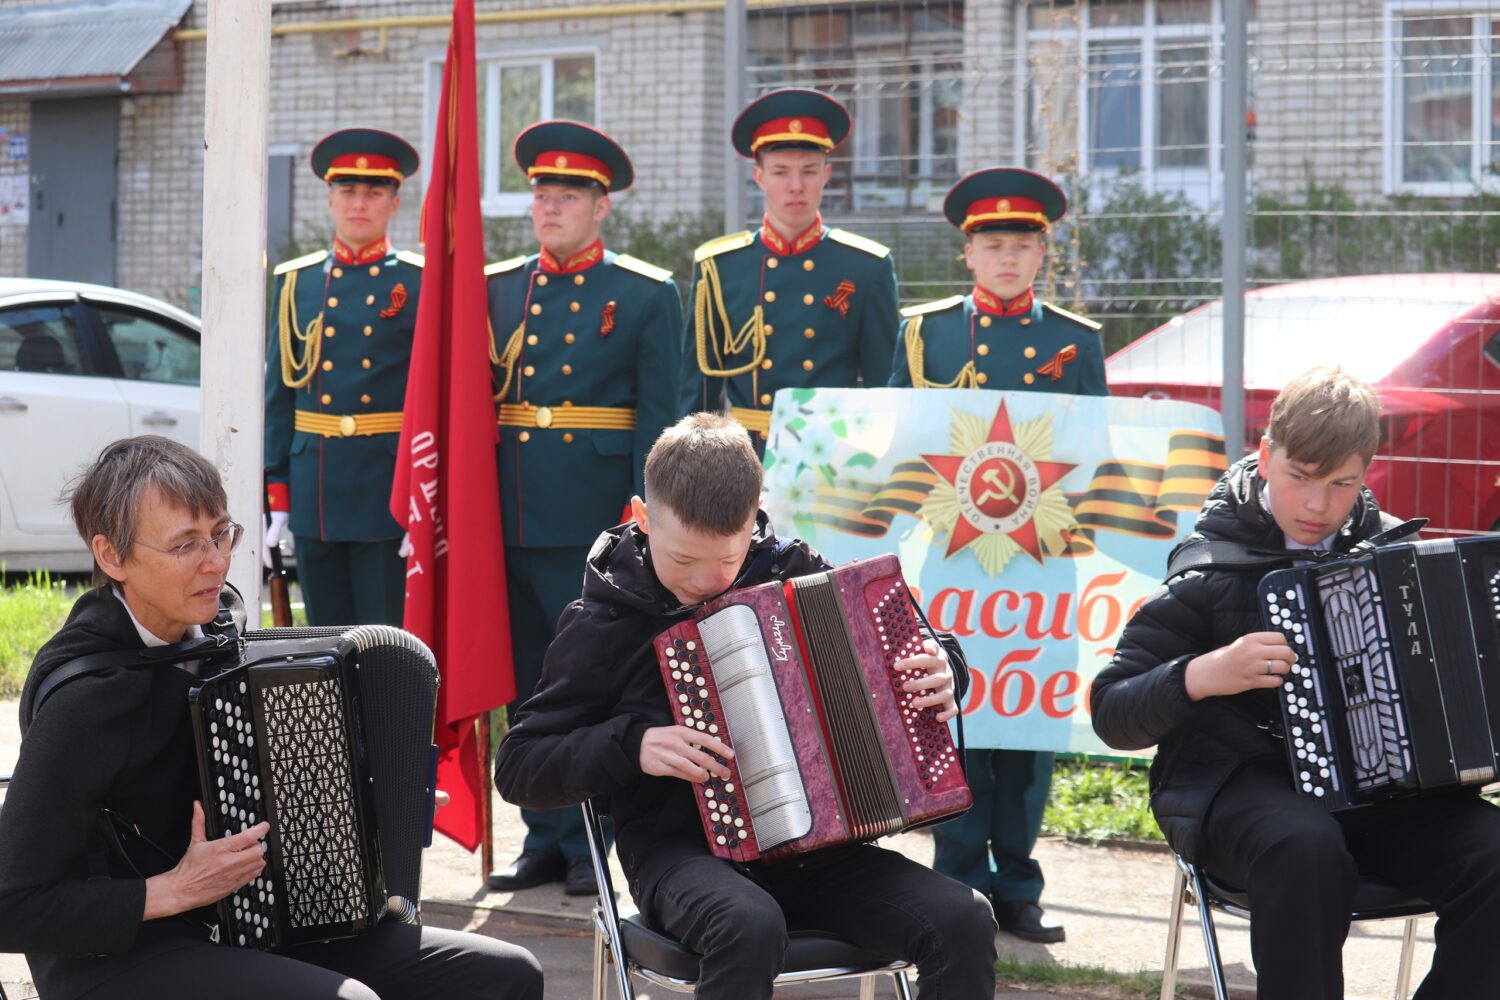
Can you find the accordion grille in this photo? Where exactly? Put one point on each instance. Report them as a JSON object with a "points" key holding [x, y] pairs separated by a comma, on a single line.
{"points": [[763, 751]]}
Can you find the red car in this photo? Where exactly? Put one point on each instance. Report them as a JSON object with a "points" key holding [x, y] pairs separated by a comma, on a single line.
{"points": [[1428, 343]]}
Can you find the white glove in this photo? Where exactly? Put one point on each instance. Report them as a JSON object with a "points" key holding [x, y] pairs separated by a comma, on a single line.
{"points": [[405, 550], [275, 528]]}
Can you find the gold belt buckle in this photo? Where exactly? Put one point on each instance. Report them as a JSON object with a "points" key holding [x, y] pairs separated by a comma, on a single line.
{"points": [[544, 417], [346, 426]]}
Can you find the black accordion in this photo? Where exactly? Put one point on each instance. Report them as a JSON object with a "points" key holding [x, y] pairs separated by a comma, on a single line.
{"points": [[326, 734], [1396, 689]]}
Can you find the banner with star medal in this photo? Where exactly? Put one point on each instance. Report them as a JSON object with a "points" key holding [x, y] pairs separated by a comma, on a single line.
{"points": [[1029, 524]]}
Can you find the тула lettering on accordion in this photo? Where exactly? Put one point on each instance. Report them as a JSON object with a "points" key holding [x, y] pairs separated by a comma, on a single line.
{"points": [[799, 678], [327, 734], [1396, 688]]}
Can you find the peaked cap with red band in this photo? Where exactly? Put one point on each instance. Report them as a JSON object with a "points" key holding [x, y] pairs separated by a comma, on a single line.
{"points": [[1005, 198], [364, 154], [796, 119], [564, 152]]}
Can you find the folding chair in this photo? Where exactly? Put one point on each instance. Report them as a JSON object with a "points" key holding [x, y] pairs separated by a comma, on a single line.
{"points": [[635, 948], [1373, 900]]}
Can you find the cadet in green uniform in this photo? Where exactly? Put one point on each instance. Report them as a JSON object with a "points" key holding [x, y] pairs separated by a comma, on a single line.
{"points": [[1000, 337], [587, 380], [794, 303], [336, 363]]}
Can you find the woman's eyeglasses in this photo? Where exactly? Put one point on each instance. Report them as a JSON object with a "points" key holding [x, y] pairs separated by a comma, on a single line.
{"points": [[195, 550]]}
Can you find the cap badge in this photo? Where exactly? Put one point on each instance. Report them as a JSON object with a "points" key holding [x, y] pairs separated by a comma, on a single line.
{"points": [[795, 125], [1004, 205], [362, 162], [562, 162]]}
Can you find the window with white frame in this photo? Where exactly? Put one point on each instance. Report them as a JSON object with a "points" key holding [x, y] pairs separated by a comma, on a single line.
{"points": [[1443, 108], [516, 91], [1123, 85]]}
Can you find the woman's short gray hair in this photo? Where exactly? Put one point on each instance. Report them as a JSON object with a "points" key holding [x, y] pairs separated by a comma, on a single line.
{"points": [[106, 497]]}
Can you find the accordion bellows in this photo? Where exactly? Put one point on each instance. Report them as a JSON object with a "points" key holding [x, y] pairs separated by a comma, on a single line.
{"points": [[327, 734], [1397, 686], [799, 678]]}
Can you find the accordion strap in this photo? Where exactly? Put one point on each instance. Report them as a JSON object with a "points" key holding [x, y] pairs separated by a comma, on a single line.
{"points": [[97, 663], [958, 663], [1196, 554]]}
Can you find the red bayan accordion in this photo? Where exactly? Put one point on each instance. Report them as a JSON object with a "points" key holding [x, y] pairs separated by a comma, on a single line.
{"points": [[799, 678]]}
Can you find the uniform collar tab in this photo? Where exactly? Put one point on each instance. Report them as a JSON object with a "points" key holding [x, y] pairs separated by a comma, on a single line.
{"points": [[804, 240], [585, 258], [345, 254], [995, 306]]}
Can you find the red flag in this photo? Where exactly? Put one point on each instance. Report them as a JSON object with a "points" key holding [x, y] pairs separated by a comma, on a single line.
{"points": [[446, 491]]}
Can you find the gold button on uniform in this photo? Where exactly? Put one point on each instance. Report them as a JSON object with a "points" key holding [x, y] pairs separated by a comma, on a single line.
{"points": [[574, 306], [577, 280], [365, 398], [765, 399], [1030, 352], [567, 369], [981, 378], [984, 321], [536, 309], [1025, 320], [328, 366], [531, 339], [983, 349], [568, 338], [541, 279], [807, 299], [333, 302], [808, 265], [524, 435], [338, 272], [528, 371], [809, 333], [326, 399], [1028, 378], [769, 329], [568, 438], [770, 296], [369, 300], [328, 331], [766, 365], [374, 270], [773, 262], [369, 330], [807, 365], [365, 363]]}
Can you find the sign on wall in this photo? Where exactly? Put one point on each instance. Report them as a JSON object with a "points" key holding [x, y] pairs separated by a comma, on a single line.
{"points": [[1029, 524]]}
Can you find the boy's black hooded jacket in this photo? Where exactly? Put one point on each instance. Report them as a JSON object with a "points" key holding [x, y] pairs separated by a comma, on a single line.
{"points": [[1140, 699], [579, 735]]}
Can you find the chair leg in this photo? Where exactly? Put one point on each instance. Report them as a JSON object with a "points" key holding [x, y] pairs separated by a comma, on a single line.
{"points": [[1174, 936], [1408, 945], [596, 990], [866, 988], [1210, 938], [903, 986]]}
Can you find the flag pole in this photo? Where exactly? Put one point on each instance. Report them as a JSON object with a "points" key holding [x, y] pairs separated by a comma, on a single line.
{"points": [[486, 802]]}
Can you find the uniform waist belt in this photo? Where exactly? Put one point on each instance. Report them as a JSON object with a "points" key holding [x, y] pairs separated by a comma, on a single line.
{"points": [[592, 418], [357, 425], [753, 420]]}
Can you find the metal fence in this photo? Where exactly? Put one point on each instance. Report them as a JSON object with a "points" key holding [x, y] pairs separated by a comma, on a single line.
{"points": [[1372, 145]]}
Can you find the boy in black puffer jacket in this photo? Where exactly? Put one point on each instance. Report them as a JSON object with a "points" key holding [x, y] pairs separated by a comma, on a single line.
{"points": [[1196, 673], [600, 726]]}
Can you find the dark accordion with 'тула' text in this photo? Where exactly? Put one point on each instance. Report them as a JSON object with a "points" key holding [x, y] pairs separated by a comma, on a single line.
{"points": [[799, 679], [327, 734], [1396, 688]]}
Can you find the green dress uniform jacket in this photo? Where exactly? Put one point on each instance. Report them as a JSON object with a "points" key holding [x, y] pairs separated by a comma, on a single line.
{"points": [[823, 314], [588, 380], [346, 329], [951, 342]]}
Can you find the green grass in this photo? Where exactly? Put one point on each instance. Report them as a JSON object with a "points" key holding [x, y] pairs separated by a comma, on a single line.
{"points": [[1090, 981], [1094, 800], [30, 612]]}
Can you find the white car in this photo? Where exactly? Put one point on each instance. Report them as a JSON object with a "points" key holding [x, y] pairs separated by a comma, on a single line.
{"points": [[80, 366]]}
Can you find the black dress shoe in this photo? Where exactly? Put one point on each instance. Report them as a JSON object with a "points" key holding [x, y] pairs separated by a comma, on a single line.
{"points": [[580, 880], [531, 869], [1027, 922]]}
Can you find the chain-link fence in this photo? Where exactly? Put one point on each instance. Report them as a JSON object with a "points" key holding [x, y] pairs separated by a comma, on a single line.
{"points": [[1372, 151]]}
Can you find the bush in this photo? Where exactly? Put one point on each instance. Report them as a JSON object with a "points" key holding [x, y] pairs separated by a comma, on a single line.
{"points": [[1100, 799], [30, 613]]}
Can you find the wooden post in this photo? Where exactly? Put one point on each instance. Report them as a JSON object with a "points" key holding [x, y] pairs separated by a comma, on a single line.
{"points": [[486, 842], [234, 247]]}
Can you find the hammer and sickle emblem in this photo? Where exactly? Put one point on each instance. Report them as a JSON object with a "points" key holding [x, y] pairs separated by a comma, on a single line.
{"points": [[1002, 486]]}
